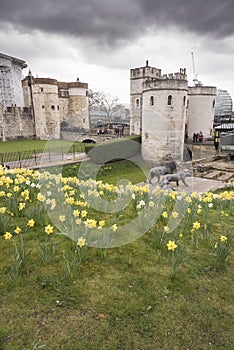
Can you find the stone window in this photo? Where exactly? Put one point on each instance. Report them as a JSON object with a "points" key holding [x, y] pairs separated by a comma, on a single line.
{"points": [[213, 103], [151, 100], [57, 107], [53, 107], [184, 100], [169, 100], [83, 120], [42, 106], [41, 89], [137, 103], [63, 93], [9, 109]]}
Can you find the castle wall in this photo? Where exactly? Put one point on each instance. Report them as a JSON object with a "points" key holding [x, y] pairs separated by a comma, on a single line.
{"points": [[15, 124], [55, 103], [201, 107], [163, 125]]}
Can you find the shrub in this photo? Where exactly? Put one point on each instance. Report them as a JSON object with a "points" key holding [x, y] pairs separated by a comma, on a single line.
{"points": [[122, 148]]}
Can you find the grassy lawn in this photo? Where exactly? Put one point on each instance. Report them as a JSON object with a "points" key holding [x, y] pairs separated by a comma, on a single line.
{"points": [[133, 170], [57, 294], [31, 145]]}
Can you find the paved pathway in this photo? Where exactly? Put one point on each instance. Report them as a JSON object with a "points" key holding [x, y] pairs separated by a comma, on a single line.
{"points": [[195, 184], [45, 160]]}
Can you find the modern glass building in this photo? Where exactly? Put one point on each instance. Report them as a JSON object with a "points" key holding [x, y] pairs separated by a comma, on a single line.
{"points": [[223, 107]]}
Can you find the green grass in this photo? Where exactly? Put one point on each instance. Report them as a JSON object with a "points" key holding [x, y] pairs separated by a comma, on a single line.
{"points": [[31, 145], [114, 304], [134, 170], [125, 300]]}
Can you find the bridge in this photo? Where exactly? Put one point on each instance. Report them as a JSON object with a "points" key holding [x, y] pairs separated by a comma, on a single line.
{"points": [[86, 137]]}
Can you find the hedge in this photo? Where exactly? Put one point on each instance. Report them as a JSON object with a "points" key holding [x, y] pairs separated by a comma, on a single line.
{"points": [[109, 151]]}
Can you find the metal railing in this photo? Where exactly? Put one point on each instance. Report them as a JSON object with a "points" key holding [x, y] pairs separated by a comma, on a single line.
{"points": [[33, 158]]}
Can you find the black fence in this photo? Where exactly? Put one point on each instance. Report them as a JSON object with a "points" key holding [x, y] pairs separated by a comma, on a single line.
{"points": [[34, 158]]}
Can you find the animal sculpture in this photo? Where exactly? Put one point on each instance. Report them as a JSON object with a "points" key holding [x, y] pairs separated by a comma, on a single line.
{"points": [[177, 177], [162, 168]]}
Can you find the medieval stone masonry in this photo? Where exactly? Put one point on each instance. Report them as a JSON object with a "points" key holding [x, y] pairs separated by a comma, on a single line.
{"points": [[38, 107], [164, 107]]}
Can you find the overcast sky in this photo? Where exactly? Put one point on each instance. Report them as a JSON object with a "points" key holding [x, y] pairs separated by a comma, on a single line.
{"points": [[99, 41]]}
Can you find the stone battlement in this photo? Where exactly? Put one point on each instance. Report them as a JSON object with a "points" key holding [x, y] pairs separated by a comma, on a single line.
{"points": [[152, 72], [171, 81]]}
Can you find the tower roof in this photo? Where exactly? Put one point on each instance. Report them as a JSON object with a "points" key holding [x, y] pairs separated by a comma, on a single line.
{"points": [[14, 60]]}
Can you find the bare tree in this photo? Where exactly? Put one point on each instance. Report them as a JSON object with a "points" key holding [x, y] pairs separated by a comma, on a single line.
{"points": [[104, 103]]}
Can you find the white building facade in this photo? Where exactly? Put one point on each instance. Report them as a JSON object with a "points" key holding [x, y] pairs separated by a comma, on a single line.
{"points": [[11, 93]]}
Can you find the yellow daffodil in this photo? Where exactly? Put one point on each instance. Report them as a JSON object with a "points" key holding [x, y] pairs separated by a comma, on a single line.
{"points": [[78, 221], [62, 218], [31, 223], [21, 206], [49, 229], [171, 245], [90, 223], [84, 213], [8, 235], [174, 214], [196, 225], [76, 212], [81, 242], [114, 227], [17, 230]]}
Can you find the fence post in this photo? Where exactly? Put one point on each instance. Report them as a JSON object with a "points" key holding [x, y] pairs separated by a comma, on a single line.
{"points": [[19, 159], [35, 157], [74, 151], [62, 153]]}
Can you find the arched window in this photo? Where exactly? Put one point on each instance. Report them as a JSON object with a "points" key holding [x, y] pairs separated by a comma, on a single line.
{"points": [[151, 100], [169, 99], [137, 103]]}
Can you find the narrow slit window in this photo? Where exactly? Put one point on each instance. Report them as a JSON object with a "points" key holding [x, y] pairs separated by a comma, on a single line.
{"points": [[169, 100]]}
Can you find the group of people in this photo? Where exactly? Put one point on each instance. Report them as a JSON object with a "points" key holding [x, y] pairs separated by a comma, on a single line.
{"points": [[103, 131], [118, 131], [198, 137]]}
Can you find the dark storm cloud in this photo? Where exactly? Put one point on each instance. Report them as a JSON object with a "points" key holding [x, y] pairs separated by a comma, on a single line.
{"points": [[112, 20]]}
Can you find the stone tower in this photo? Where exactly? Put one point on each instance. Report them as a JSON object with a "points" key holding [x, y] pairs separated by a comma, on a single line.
{"points": [[137, 77], [55, 102], [201, 108], [158, 112]]}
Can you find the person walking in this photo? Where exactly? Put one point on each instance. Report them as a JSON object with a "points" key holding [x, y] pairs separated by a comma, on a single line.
{"points": [[216, 141], [200, 137]]}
